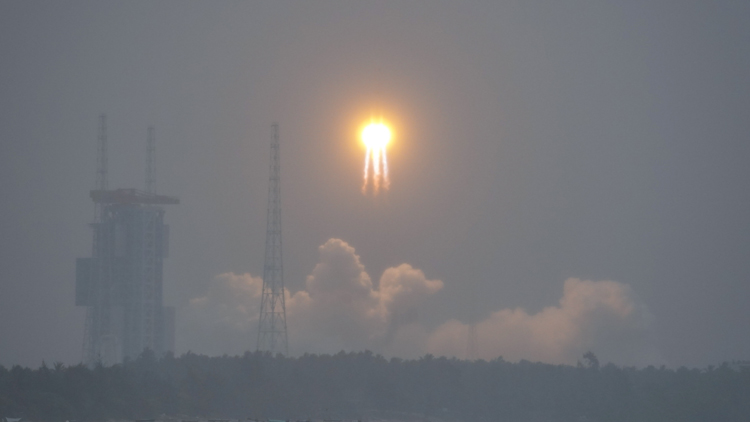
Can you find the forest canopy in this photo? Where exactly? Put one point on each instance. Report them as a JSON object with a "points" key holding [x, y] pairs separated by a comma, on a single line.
{"points": [[361, 385]]}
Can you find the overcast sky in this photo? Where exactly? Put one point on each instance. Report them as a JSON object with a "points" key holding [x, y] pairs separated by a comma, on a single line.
{"points": [[568, 176]]}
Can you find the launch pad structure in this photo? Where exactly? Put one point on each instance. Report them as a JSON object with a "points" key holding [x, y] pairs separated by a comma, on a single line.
{"points": [[121, 284], [272, 333]]}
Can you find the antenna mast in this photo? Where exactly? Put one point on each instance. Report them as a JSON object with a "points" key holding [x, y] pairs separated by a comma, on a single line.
{"points": [[101, 154], [272, 334], [151, 161]]}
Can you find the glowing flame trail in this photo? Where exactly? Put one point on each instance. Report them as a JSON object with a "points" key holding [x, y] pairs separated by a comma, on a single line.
{"points": [[367, 168], [376, 137], [376, 169], [386, 179]]}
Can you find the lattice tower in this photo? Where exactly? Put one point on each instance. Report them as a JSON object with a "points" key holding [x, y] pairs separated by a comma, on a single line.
{"points": [[98, 343], [272, 333]]}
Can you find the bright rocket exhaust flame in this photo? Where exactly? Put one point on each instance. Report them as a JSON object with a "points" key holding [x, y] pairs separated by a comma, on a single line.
{"points": [[376, 136]]}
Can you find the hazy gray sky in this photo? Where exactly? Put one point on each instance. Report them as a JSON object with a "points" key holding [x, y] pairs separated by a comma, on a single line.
{"points": [[604, 143]]}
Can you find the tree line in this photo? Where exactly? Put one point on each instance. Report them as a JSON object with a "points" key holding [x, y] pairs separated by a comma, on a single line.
{"points": [[358, 385]]}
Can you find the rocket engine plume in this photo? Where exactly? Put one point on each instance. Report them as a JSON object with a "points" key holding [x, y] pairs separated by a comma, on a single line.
{"points": [[376, 136]]}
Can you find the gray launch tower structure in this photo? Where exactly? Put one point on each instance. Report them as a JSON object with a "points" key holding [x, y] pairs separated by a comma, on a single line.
{"points": [[272, 335], [121, 283]]}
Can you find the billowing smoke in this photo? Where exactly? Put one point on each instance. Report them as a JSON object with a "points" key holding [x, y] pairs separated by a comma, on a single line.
{"points": [[341, 308], [225, 319], [601, 316]]}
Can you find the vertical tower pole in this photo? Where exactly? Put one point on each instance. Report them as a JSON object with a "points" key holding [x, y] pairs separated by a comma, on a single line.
{"points": [[97, 313], [101, 154], [272, 333], [151, 161]]}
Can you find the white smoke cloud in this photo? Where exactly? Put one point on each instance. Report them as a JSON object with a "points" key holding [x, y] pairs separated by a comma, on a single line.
{"points": [[602, 316], [341, 308], [224, 320]]}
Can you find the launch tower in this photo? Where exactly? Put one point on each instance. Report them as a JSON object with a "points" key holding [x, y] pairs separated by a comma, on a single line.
{"points": [[272, 335], [121, 283]]}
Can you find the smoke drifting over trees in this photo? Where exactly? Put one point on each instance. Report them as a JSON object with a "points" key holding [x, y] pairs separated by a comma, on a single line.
{"points": [[341, 308], [602, 315]]}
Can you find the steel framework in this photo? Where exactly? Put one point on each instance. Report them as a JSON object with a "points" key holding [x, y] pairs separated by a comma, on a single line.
{"points": [[97, 340], [121, 283], [272, 333]]}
